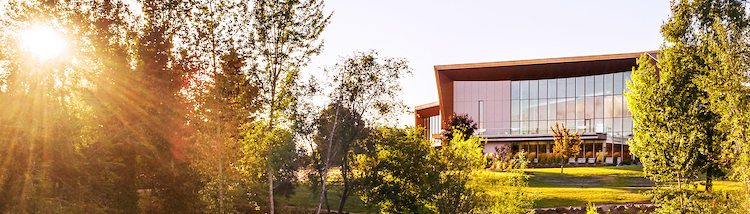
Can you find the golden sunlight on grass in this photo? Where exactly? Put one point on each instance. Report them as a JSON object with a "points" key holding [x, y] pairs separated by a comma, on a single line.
{"points": [[42, 42]]}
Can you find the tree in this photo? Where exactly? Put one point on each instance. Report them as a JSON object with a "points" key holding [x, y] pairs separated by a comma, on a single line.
{"points": [[566, 144], [285, 38], [676, 132], [459, 123], [365, 92]]}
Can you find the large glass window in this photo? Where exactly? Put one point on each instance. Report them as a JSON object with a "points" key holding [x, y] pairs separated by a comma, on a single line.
{"points": [[551, 109], [543, 109], [590, 108], [560, 88], [599, 107], [515, 110], [617, 106], [533, 109], [589, 86], [625, 109], [561, 109], [542, 89], [533, 89], [570, 104], [524, 90], [608, 84], [580, 89], [524, 110], [580, 108], [599, 85], [618, 83], [571, 89], [608, 110], [515, 92], [551, 88]]}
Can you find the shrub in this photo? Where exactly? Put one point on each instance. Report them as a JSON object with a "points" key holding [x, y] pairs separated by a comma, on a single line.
{"points": [[626, 162], [589, 154]]}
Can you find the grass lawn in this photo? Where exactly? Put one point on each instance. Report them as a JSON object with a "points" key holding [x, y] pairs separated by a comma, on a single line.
{"points": [[576, 187]]}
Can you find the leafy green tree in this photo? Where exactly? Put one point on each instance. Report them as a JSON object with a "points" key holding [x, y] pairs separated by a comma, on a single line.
{"points": [[365, 93], [285, 38], [567, 144], [676, 127]]}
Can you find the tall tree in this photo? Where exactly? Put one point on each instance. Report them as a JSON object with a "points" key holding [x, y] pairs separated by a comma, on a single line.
{"points": [[567, 144], [365, 93], [285, 38], [459, 123], [675, 125]]}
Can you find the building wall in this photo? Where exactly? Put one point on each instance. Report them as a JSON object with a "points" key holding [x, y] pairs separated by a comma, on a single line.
{"points": [[496, 100]]}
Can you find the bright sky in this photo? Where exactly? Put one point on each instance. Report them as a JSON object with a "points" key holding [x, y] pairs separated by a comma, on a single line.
{"points": [[439, 32]]}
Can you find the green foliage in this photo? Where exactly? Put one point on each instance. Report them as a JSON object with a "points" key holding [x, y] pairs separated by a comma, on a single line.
{"points": [[681, 102], [401, 173]]}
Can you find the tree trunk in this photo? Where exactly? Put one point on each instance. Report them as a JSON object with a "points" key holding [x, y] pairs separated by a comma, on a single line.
{"points": [[328, 160], [345, 192]]}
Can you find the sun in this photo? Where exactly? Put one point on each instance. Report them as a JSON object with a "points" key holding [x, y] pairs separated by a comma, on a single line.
{"points": [[43, 42]]}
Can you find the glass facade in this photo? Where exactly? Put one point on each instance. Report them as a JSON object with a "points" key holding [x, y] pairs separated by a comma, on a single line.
{"points": [[432, 127], [586, 103]]}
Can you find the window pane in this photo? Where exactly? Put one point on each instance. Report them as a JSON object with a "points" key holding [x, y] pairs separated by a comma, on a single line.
{"points": [[598, 85], [608, 110], [551, 88], [590, 108], [543, 109], [589, 86], [551, 109], [560, 109], [524, 127], [608, 125], [570, 124], [533, 112], [617, 106], [618, 83], [533, 89], [560, 88], [571, 89], [599, 125], [599, 107], [580, 108], [542, 89], [514, 90], [580, 89], [515, 127], [543, 128], [524, 110], [533, 129], [570, 109], [608, 87], [580, 126], [524, 90], [625, 79], [617, 124], [515, 112]]}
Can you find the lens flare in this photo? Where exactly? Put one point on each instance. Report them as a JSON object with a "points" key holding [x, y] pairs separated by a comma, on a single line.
{"points": [[42, 42]]}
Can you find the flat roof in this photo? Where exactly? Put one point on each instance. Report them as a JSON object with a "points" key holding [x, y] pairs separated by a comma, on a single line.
{"points": [[428, 105]]}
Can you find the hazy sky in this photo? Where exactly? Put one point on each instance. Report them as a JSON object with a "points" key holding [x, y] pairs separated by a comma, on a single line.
{"points": [[429, 33]]}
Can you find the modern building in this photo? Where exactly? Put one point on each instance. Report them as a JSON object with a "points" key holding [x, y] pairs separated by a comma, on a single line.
{"points": [[514, 103]]}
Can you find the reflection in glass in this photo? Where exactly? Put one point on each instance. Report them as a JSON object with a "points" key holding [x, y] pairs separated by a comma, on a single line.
{"points": [[608, 125], [560, 109], [552, 109], [515, 90], [625, 109], [589, 86], [580, 89], [580, 106], [524, 90], [617, 106], [617, 124], [542, 89], [599, 107], [571, 89], [589, 108], [533, 89], [608, 106], [515, 112], [543, 109], [524, 110], [617, 83], [551, 88], [599, 85], [625, 79], [570, 104], [608, 87], [533, 112], [561, 88]]}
